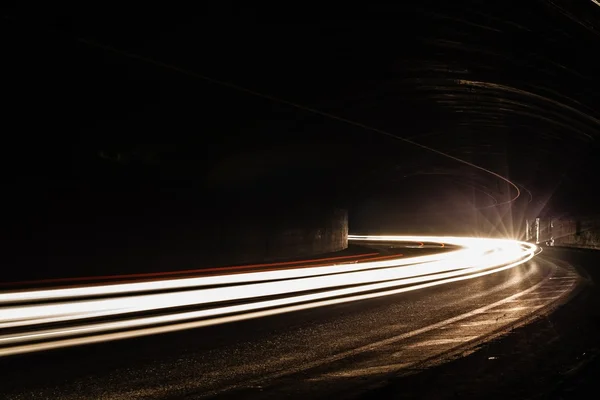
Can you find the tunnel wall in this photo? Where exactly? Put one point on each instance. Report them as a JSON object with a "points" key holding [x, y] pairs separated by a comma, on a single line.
{"points": [[170, 232], [580, 232], [303, 233]]}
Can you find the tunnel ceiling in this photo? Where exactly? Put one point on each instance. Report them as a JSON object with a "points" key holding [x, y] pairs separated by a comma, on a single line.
{"points": [[225, 96]]}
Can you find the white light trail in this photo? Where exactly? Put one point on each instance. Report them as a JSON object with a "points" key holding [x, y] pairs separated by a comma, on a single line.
{"points": [[226, 298]]}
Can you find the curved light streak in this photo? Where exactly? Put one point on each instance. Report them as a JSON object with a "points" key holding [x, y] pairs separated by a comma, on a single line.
{"points": [[226, 298]]}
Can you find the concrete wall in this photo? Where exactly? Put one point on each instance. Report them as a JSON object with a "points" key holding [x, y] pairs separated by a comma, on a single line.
{"points": [[303, 232], [128, 239], [582, 232]]}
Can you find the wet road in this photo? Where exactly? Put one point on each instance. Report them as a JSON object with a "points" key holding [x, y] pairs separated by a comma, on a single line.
{"points": [[342, 349]]}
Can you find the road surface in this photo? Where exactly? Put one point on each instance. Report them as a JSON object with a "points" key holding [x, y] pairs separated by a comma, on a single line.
{"points": [[366, 322]]}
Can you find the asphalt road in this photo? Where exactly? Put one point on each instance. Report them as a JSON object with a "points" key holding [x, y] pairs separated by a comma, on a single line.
{"points": [[345, 349]]}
